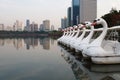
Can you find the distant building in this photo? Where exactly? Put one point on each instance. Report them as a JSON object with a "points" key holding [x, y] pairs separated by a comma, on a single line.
{"points": [[27, 23], [64, 23], [41, 28], [46, 24], [69, 16], [52, 27], [9, 28], [18, 26], [75, 13], [88, 10], [1, 27], [34, 27], [27, 27]]}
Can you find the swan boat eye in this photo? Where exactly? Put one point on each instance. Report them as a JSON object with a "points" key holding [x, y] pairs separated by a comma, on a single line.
{"points": [[98, 19]]}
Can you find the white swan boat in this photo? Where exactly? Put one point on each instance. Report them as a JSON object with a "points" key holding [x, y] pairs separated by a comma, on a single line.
{"points": [[75, 36], [102, 55], [85, 42], [79, 35], [69, 30], [72, 36], [79, 39], [64, 34]]}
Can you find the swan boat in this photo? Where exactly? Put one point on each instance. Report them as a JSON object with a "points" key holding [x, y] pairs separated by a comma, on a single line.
{"points": [[62, 37], [79, 39], [110, 53], [85, 42], [69, 33], [78, 34], [72, 36]]}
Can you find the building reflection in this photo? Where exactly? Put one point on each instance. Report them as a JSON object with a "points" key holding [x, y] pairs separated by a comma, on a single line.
{"points": [[28, 42], [45, 42], [8, 41], [2, 42], [52, 41], [31, 42], [18, 43]]}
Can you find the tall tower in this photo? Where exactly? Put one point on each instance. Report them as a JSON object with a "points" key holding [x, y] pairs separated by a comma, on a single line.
{"points": [[1, 27], [27, 23], [46, 24], [64, 23], [27, 27], [75, 13], [88, 10], [69, 16]]}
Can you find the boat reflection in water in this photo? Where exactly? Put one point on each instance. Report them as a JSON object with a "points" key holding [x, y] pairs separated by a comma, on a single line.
{"points": [[89, 71]]}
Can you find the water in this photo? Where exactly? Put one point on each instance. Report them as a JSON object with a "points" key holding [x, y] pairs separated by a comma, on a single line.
{"points": [[32, 59], [44, 59]]}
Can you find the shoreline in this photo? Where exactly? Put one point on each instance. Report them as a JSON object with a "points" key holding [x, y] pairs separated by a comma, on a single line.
{"points": [[12, 34]]}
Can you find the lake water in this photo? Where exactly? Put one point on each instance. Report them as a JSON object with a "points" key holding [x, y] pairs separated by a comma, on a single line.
{"points": [[44, 59]]}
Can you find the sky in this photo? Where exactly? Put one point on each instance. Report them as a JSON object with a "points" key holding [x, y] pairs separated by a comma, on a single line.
{"points": [[39, 10]]}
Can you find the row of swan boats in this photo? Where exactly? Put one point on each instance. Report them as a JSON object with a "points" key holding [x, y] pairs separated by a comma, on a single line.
{"points": [[99, 50]]}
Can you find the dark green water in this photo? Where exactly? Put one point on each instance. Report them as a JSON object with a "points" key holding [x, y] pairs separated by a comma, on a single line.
{"points": [[44, 59]]}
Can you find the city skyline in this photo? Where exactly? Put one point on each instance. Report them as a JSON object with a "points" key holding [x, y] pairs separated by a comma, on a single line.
{"points": [[39, 10]]}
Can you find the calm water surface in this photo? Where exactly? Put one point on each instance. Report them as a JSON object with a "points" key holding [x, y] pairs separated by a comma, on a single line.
{"points": [[44, 59]]}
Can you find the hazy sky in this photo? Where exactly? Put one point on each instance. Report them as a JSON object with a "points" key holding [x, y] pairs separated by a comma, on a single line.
{"points": [[39, 10]]}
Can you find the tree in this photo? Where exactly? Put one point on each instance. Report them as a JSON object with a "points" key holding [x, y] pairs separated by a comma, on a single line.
{"points": [[112, 18]]}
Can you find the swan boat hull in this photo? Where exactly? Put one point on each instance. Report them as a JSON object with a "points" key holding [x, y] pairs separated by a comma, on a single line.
{"points": [[106, 60]]}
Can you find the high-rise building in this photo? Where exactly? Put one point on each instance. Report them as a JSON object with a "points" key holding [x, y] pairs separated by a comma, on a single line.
{"points": [[88, 10], [52, 27], [9, 28], [27, 23], [1, 27], [64, 23], [41, 27], [69, 16], [27, 27], [75, 12], [18, 26], [46, 24], [34, 27]]}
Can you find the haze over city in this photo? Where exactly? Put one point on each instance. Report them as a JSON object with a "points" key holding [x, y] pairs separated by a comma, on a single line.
{"points": [[39, 10]]}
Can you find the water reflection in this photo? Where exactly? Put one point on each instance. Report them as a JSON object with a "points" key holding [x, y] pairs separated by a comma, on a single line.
{"points": [[31, 42], [2, 42], [32, 59], [28, 43], [89, 71], [45, 42], [18, 43]]}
